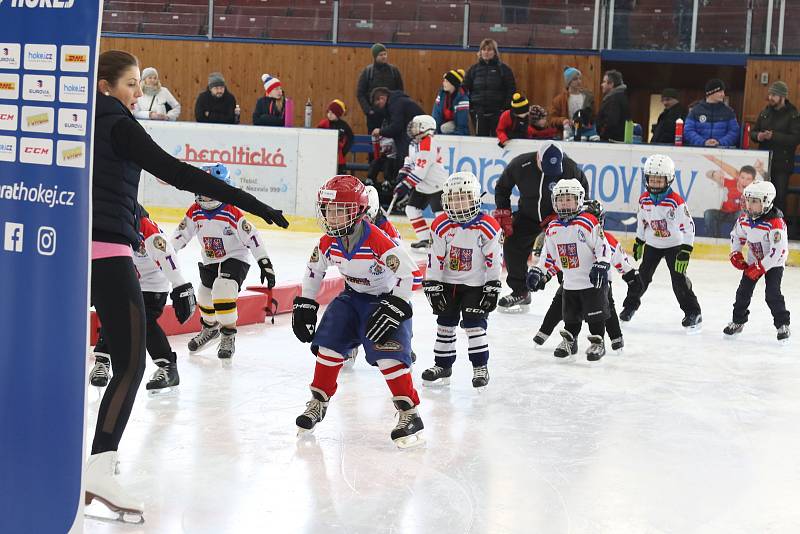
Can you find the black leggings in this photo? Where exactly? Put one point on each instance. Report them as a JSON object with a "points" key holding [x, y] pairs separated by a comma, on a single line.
{"points": [[157, 343], [117, 297], [553, 315]]}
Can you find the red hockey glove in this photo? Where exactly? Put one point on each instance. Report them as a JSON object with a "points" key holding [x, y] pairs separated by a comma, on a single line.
{"points": [[505, 221], [755, 271], [737, 260]]}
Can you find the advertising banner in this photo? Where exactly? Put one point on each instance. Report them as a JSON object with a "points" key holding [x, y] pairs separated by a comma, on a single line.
{"points": [[47, 77]]}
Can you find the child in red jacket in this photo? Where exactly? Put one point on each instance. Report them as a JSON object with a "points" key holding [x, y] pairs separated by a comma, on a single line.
{"points": [[336, 109]]}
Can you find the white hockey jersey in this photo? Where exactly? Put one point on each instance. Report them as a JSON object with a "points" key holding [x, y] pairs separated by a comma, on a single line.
{"points": [[424, 167], [375, 266], [155, 260], [619, 258], [468, 254], [573, 247], [223, 233], [665, 225], [766, 240]]}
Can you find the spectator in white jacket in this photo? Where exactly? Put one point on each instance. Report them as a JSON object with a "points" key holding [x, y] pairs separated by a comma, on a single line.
{"points": [[157, 103]]}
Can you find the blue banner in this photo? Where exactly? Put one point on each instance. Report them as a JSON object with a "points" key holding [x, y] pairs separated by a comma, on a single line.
{"points": [[48, 52]]}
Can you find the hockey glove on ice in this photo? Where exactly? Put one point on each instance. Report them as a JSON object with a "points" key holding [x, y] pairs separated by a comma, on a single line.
{"points": [[755, 271], [267, 272], [504, 219], [436, 293], [682, 259], [598, 275], [304, 318], [183, 302], [491, 292], [738, 261], [638, 249], [535, 280], [384, 322]]}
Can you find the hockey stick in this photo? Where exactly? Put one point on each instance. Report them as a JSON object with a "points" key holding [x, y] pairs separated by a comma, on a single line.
{"points": [[391, 205]]}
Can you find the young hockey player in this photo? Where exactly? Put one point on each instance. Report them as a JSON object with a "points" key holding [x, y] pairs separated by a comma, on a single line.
{"points": [[762, 228], [156, 264], [575, 242], [373, 310], [665, 230], [422, 175], [377, 216], [463, 278], [620, 261], [225, 237]]}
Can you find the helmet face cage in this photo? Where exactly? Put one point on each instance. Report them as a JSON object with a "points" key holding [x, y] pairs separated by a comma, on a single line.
{"points": [[655, 190], [338, 219], [567, 201], [595, 207], [761, 193], [420, 126], [220, 172], [461, 197]]}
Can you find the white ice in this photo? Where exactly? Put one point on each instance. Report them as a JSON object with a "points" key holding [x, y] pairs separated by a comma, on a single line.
{"points": [[678, 434]]}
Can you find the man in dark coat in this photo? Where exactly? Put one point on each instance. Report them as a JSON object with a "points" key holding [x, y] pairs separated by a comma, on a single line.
{"points": [[398, 109], [216, 104], [377, 74], [533, 174], [614, 108], [777, 129], [664, 128]]}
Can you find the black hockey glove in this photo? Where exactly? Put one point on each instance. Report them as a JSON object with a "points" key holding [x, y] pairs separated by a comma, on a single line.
{"points": [[682, 259], [391, 311], [271, 215], [634, 280], [536, 279], [183, 302], [267, 272], [598, 275], [436, 293], [638, 249], [304, 318], [491, 292]]}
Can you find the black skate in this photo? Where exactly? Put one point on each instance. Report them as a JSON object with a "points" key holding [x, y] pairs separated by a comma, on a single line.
{"points": [[437, 376], [413, 357], [227, 344], [406, 433], [207, 334], [540, 338], [99, 375], [315, 412], [733, 329], [514, 303], [422, 245], [165, 378], [617, 343], [783, 334], [568, 347], [480, 377], [692, 322], [597, 349], [626, 314]]}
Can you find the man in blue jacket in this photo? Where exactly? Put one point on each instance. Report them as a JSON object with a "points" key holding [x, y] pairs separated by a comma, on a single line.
{"points": [[712, 123]]}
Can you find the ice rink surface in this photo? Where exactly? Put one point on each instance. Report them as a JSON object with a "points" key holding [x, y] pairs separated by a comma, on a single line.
{"points": [[676, 434]]}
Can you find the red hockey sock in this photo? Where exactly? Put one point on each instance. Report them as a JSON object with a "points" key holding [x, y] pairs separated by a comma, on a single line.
{"points": [[398, 378], [326, 371], [421, 228]]}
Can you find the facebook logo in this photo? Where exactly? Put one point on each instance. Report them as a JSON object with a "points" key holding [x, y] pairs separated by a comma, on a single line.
{"points": [[13, 237]]}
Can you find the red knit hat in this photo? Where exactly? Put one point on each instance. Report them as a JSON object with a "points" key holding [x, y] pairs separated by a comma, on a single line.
{"points": [[337, 107]]}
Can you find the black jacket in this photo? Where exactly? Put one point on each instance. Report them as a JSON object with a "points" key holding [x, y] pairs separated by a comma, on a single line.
{"points": [[785, 126], [400, 109], [491, 85], [664, 128], [267, 112], [534, 188], [614, 111], [220, 110], [122, 148], [377, 75]]}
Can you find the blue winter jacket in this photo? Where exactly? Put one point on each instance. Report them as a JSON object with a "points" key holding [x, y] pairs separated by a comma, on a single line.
{"points": [[711, 121], [459, 105]]}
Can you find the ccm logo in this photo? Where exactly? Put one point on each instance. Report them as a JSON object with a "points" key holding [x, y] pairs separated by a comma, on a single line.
{"points": [[36, 150], [7, 116]]}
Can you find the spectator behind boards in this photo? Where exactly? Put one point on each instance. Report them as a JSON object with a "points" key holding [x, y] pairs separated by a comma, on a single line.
{"points": [[273, 109], [451, 108], [157, 103], [712, 122], [216, 104]]}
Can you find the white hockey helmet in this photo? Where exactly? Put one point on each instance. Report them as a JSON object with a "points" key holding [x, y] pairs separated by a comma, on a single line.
{"points": [[421, 126], [567, 197], [461, 196], [658, 165], [374, 202], [761, 191]]}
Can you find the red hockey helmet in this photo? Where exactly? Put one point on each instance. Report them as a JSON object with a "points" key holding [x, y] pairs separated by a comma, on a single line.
{"points": [[341, 204]]}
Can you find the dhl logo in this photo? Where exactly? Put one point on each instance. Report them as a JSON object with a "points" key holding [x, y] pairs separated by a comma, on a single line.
{"points": [[38, 120], [8, 86], [75, 58], [72, 153]]}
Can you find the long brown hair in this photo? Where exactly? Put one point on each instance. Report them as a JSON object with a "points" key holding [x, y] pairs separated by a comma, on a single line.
{"points": [[113, 63]]}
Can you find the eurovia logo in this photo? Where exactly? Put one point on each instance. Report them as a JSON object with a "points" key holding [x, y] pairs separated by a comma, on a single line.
{"points": [[9, 55], [40, 56], [41, 88], [9, 86], [72, 121], [74, 89]]}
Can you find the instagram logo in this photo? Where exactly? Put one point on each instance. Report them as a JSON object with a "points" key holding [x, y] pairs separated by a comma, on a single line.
{"points": [[46, 242]]}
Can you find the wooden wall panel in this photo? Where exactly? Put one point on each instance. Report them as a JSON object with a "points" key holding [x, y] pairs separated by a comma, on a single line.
{"points": [[324, 72]]}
